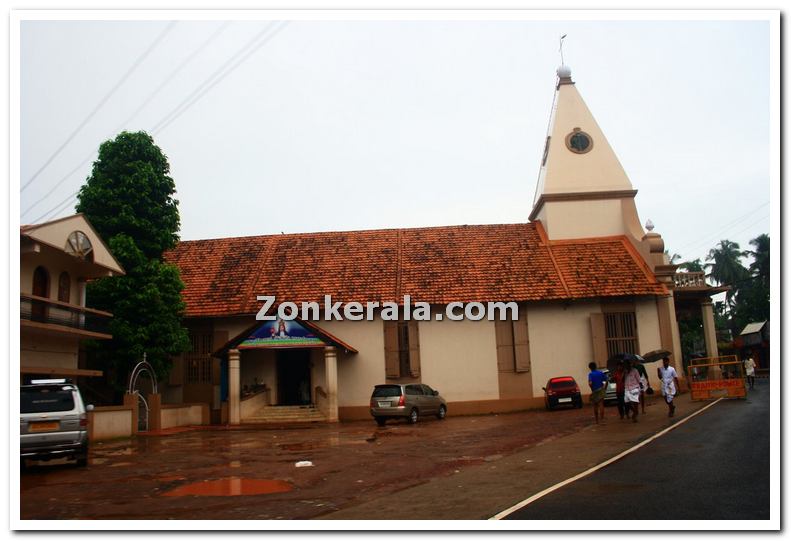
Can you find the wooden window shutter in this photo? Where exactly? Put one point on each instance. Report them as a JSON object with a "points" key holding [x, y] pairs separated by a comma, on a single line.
{"points": [[504, 334], [599, 338], [391, 349], [522, 342], [219, 340], [414, 350]]}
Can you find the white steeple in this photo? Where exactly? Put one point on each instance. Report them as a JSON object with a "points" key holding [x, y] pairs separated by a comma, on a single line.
{"points": [[582, 189]]}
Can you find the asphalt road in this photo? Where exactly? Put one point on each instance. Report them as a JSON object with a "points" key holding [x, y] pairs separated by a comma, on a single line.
{"points": [[715, 466]]}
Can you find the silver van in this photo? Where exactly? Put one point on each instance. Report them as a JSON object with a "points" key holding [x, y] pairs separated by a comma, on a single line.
{"points": [[54, 421], [410, 401]]}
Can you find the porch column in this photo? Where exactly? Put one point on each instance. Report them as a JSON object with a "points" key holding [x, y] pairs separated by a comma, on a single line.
{"points": [[331, 376], [709, 331], [234, 403], [669, 334]]}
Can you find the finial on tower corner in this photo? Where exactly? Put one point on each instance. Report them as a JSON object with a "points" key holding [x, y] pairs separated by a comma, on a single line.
{"points": [[649, 225]]}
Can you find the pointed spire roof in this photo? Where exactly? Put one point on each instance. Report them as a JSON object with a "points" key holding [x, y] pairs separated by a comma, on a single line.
{"points": [[578, 159]]}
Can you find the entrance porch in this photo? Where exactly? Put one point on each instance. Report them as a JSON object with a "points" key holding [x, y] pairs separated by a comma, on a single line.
{"points": [[280, 372]]}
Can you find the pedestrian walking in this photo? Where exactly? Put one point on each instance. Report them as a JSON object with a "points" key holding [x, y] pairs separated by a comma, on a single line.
{"points": [[598, 384], [631, 389], [749, 371], [669, 378], [643, 384], [618, 378]]}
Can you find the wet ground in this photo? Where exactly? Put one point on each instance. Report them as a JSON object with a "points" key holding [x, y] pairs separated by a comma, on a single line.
{"points": [[251, 472]]}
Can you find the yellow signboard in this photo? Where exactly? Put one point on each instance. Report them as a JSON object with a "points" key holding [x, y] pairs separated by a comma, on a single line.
{"points": [[716, 377]]}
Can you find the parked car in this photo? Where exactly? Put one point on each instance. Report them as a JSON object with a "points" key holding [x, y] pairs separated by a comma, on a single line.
{"points": [[54, 421], [562, 391], [410, 401], [610, 396]]}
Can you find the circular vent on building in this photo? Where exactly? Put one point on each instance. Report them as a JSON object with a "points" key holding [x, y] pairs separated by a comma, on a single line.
{"points": [[579, 142], [79, 245]]}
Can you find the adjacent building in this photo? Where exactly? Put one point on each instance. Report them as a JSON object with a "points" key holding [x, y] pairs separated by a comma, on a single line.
{"points": [[57, 259]]}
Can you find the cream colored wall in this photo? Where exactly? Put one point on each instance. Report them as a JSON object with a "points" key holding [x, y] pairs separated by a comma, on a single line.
{"points": [[459, 359], [358, 373], [55, 264], [181, 416], [560, 343], [115, 423], [39, 349], [583, 219], [596, 170], [57, 233], [648, 335]]}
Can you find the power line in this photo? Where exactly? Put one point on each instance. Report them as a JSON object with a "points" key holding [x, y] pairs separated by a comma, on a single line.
{"points": [[248, 49], [126, 122], [123, 79], [257, 41], [59, 207], [702, 240]]}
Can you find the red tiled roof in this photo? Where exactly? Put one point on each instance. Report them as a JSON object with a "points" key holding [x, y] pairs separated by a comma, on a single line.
{"points": [[510, 262]]}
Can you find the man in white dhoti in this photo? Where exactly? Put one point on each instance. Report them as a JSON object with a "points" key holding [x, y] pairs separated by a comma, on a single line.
{"points": [[632, 388], [749, 371], [669, 378]]}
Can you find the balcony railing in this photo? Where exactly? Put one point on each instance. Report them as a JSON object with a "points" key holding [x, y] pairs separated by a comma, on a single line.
{"points": [[42, 310], [690, 279]]}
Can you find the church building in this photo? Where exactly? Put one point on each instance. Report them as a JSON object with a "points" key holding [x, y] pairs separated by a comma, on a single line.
{"points": [[589, 281]]}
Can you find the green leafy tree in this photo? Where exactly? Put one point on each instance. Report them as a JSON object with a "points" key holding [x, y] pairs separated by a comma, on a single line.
{"points": [[129, 200], [130, 192], [752, 303]]}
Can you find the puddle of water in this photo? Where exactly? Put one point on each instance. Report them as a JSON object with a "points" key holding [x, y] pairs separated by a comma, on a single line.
{"points": [[125, 451], [233, 486], [96, 461], [120, 464]]}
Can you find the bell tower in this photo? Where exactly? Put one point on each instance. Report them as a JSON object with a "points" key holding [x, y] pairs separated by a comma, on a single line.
{"points": [[582, 189]]}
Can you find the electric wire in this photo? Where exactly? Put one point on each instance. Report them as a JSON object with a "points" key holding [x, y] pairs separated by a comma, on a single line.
{"points": [[131, 117], [723, 228], [101, 103], [253, 45], [248, 49]]}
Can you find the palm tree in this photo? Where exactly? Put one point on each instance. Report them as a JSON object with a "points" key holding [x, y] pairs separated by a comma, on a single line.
{"points": [[726, 267], [692, 266], [760, 265]]}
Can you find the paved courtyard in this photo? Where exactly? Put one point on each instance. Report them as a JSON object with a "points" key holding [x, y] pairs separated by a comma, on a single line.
{"points": [[251, 472]]}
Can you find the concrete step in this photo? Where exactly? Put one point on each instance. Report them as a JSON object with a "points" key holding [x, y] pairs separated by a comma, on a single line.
{"points": [[286, 414]]}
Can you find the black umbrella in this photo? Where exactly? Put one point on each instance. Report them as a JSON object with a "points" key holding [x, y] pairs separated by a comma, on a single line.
{"points": [[613, 361], [656, 355]]}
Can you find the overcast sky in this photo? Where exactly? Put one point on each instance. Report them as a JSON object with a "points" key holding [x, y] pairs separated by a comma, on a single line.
{"points": [[334, 125]]}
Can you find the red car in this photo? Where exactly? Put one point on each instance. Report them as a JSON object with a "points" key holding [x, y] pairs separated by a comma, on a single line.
{"points": [[562, 391]]}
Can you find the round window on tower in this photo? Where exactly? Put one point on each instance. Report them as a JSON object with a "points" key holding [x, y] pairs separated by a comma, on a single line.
{"points": [[579, 142]]}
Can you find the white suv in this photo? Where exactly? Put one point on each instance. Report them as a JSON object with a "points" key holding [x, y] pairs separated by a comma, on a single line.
{"points": [[54, 421]]}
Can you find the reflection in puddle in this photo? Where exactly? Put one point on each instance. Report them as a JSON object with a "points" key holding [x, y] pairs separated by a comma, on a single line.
{"points": [[233, 486]]}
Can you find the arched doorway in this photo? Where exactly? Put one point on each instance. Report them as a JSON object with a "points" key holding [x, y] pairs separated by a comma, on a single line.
{"points": [[40, 289]]}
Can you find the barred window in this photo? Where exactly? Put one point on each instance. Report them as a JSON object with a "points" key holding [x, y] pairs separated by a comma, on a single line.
{"points": [[621, 329], [198, 361]]}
